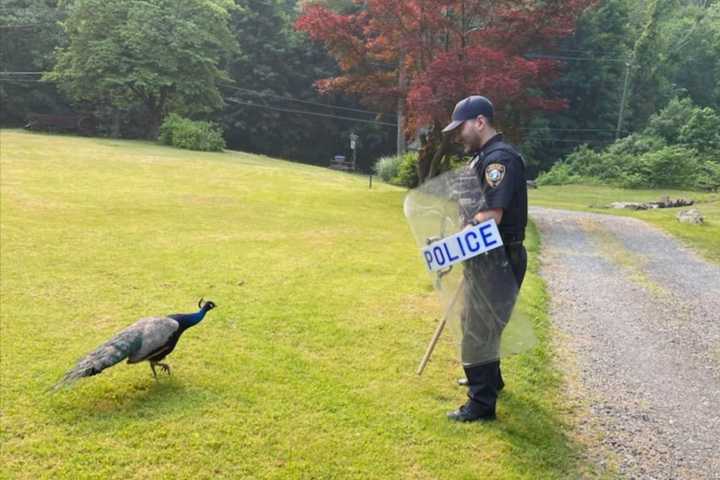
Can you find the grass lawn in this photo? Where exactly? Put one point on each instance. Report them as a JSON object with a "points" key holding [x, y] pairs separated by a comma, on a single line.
{"points": [[704, 238], [305, 369]]}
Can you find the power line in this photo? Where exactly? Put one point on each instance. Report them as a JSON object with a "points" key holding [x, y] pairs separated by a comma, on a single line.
{"points": [[263, 94], [573, 58], [22, 73], [576, 140], [569, 129], [305, 112], [25, 27]]}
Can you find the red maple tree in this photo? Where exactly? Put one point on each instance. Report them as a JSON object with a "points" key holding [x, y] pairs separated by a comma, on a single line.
{"points": [[420, 57]]}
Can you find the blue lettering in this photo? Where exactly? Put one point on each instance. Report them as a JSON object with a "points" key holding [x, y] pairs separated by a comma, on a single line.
{"points": [[486, 235], [472, 234], [439, 259], [428, 258], [462, 249], [449, 255]]}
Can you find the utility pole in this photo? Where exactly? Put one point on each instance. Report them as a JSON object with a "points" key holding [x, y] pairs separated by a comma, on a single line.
{"points": [[353, 146], [402, 80], [622, 101]]}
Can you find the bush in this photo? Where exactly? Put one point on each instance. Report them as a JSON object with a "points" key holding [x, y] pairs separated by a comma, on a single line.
{"points": [[191, 135], [667, 122], [702, 132], [673, 166], [636, 144], [407, 171], [387, 168], [709, 176], [559, 174], [680, 148], [400, 170]]}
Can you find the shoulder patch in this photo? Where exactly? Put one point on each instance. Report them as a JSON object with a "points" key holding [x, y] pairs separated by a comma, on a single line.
{"points": [[494, 174]]}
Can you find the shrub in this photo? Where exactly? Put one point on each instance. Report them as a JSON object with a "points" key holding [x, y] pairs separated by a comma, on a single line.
{"points": [[407, 171], [672, 166], [191, 135], [667, 122], [559, 174], [709, 176], [679, 148], [702, 132], [387, 167]]}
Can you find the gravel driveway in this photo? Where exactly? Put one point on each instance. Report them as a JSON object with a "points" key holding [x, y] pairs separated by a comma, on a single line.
{"points": [[640, 315]]}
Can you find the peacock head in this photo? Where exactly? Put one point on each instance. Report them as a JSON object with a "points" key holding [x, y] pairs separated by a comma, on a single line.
{"points": [[207, 306]]}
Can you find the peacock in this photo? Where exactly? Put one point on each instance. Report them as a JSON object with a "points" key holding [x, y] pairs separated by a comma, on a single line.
{"points": [[151, 339]]}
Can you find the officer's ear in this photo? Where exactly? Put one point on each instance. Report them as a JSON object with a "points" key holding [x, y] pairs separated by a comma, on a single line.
{"points": [[481, 121]]}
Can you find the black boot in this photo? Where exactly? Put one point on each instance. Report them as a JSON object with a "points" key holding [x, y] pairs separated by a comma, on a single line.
{"points": [[463, 382], [472, 411], [483, 382]]}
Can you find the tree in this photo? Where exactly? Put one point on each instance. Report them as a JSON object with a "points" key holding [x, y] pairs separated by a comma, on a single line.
{"points": [[422, 56], [273, 81], [592, 79], [164, 54], [691, 36], [30, 32]]}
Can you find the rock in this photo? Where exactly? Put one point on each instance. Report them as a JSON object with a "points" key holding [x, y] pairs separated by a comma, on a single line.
{"points": [[664, 202], [629, 205], [692, 216], [532, 184], [667, 202]]}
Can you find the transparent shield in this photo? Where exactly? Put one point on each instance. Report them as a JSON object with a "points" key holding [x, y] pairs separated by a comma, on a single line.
{"points": [[479, 295]]}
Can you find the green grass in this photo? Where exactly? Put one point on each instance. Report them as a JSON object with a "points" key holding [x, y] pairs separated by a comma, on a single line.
{"points": [[305, 369], [703, 238]]}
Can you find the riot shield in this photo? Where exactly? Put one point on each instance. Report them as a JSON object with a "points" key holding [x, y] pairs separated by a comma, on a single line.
{"points": [[479, 293]]}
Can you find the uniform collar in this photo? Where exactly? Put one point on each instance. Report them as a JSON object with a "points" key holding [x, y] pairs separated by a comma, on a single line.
{"points": [[498, 137]]}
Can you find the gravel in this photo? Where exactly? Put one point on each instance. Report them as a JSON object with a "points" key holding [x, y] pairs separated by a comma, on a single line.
{"points": [[640, 314]]}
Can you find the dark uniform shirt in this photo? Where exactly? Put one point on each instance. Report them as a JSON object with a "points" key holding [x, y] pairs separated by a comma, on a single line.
{"points": [[501, 171]]}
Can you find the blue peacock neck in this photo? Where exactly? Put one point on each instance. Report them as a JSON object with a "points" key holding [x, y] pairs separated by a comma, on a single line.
{"points": [[187, 320]]}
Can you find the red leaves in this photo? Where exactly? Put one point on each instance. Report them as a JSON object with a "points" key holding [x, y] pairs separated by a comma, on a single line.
{"points": [[446, 49]]}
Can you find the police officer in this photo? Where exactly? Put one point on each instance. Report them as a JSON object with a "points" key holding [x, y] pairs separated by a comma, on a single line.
{"points": [[501, 174]]}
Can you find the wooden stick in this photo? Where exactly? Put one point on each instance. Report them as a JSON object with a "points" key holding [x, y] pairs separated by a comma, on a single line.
{"points": [[438, 331]]}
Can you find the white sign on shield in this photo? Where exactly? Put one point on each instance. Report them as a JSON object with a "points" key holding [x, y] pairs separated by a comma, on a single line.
{"points": [[467, 243]]}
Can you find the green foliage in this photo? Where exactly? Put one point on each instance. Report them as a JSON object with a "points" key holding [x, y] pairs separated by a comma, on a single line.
{"points": [[702, 131], [400, 170], [667, 123], [277, 61], [708, 177], [407, 171], [671, 166], [191, 135], [679, 148], [387, 168], [165, 55], [25, 49], [559, 174]]}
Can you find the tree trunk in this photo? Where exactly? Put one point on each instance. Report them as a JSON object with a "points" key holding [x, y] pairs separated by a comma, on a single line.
{"points": [[432, 155], [115, 131], [437, 164], [425, 156], [153, 125]]}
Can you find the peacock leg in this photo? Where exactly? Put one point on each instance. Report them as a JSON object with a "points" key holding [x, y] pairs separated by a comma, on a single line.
{"points": [[152, 367], [165, 367]]}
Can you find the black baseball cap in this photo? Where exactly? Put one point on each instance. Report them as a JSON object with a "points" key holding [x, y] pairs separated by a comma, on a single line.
{"points": [[469, 108]]}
